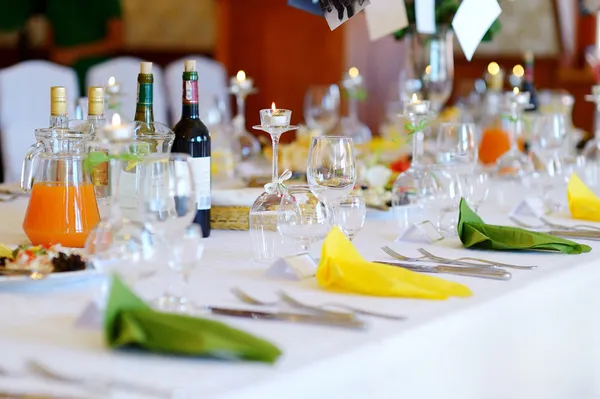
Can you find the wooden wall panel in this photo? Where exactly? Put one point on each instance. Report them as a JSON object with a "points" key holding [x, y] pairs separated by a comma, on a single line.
{"points": [[283, 49]]}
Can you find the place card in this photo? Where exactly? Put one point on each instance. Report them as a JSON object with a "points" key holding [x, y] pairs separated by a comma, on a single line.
{"points": [[422, 231], [293, 267], [530, 206], [425, 16], [90, 318], [471, 22], [385, 17], [337, 13], [311, 6]]}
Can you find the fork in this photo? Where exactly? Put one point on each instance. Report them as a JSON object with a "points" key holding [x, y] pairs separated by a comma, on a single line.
{"points": [[458, 261], [574, 227], [398, 256]]}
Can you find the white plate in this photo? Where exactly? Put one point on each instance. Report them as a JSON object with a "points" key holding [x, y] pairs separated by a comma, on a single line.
{"points": [[53, 279]]}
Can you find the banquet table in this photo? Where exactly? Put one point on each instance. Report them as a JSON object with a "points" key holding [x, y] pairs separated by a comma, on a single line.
{"points": [[535, 336]]}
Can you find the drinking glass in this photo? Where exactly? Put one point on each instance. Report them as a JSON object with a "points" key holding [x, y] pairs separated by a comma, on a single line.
{"points": [[331, 170], [322, 107], [445, 201], [550, 134], [476, 188], [350, 215], [168, 205], [302, 217], [456, 145]]}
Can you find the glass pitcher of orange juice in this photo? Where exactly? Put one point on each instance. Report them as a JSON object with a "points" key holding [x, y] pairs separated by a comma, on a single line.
{"points": [[62, 208]]}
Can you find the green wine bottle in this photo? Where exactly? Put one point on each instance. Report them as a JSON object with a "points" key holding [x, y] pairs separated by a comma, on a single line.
{"points": [[143, 110]]}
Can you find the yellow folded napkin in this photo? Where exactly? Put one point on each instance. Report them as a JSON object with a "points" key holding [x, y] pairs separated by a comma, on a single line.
{"points": [[343, 269], [583, 203]]}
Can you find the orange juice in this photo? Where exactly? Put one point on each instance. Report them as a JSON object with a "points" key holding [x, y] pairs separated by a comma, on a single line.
{"points": [[61, 214], [494, 143]]}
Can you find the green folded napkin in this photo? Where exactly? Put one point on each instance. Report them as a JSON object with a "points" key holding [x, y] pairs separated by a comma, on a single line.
{"points": [[130, 322], [473, 232]]}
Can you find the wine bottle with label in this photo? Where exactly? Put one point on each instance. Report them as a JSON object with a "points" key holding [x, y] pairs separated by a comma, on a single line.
{"points": [[144, 111], [528, 86], [58, 107], [192, 137]]}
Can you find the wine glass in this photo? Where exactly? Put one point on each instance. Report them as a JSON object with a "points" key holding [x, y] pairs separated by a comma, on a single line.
{"points": [[331, 170], [476, 188], [322, 107], [551, 133], [456, 145], [168, 205], [350, 215], [302, 217]]}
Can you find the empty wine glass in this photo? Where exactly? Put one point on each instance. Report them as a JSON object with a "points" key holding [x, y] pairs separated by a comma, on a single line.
{"points": [[551, 132], [445, 201], [350, 215], [476, 188], [303, 217], [456, 145], [331, 170], [322, 107], [187, 252]]}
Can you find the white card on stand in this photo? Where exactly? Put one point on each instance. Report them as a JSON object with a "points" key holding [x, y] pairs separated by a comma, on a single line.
{"points": [[90, 318], [531, 207], [425, 16], [384, 17], [294, 267], [422, 231], [472, 20]]}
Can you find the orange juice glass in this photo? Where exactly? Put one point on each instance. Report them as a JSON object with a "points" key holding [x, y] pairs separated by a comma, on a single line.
{"points": [[62, 208]]}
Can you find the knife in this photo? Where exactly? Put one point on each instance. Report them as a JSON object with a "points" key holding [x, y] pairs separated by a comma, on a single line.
{"points": [[289, 317], [494, 274], [584, 235]]}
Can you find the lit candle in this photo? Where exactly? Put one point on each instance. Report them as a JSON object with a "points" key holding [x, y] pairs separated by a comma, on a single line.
{"points": [[275, 117], [116, 131], [355, 77], [416, 106], [113, 86], [242, 81]]}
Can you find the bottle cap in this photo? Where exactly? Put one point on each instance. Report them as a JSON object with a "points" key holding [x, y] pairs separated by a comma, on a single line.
{"points": [[95, 100], [189, 65], [146, 68], [58, 100]]}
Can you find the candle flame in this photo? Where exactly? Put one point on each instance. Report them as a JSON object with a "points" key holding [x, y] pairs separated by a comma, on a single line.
{"points": [[518, 71], [493, 68], [116, 119], [241, 76], [273, 107], [428, 70], [415, 98], [516, 90], [111, 81], [353, 72]]}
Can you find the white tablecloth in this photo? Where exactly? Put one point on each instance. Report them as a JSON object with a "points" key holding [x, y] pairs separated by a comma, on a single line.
{"points": [[536, 336]]}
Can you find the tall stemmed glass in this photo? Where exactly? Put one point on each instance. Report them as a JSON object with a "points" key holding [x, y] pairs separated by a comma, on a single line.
{"points": [[322, 107], [331, 170], [266, 241], [514, 164]]}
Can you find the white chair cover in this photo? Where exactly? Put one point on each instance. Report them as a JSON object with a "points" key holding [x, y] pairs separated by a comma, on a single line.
{"points": [[125, 71], [25, 106], [212, 87]]}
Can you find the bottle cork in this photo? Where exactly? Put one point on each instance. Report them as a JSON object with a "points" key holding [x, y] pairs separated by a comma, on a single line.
{"points": [[189, 66], [96, 100], [146, 68], [58, 100]]}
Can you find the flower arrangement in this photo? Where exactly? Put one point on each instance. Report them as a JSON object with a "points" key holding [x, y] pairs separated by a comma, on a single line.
{"points": [[444, 14]]}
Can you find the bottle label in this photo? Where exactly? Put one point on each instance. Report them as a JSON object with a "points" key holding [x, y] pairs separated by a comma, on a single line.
{"points": [[144, 93], [201, 170], [190, 92]]}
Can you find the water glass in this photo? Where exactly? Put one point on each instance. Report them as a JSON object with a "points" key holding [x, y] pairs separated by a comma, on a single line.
{"points": [[350, 215], [331, 170], [322, 107], [303, 217], [456, 144]]}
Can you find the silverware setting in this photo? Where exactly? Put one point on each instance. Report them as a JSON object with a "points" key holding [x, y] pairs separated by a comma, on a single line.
{"points": [[323, 308], [580, 234], [489, 273], [318, 319], [546, 224], [428, 257]]}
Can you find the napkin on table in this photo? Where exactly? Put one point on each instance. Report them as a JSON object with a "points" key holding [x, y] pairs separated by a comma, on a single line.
{"points": [[343, 269], [474, 232], [583, 203], [130, 322]]}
